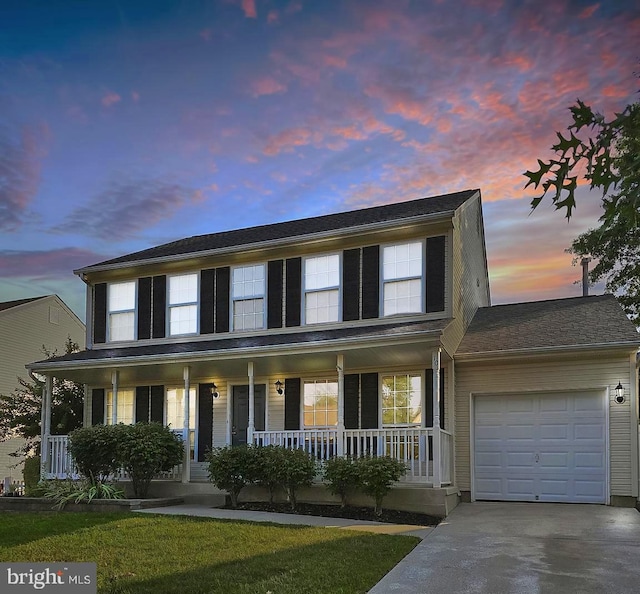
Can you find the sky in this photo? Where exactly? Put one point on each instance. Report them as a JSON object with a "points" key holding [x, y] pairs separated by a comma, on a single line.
{"points": [[127, 124]]}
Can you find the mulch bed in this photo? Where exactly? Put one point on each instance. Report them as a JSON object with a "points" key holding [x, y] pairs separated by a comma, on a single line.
{"points": [[335, 511]]}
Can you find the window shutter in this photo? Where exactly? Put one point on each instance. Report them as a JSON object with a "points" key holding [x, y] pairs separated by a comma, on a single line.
{"points": [[157, 404], [205, 420], [97, 406], [159, 306], [351, 285], [370, 282], [294, 291], [222, 298], [292, 404], [429, 398], [351, 398], [435, 280], [100, 313], [274, 293], [142, 405], [144, 308], [369, 401], [207, 278]]}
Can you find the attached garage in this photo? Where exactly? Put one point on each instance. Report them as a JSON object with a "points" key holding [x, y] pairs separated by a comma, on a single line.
{"points": [[541, 447]]}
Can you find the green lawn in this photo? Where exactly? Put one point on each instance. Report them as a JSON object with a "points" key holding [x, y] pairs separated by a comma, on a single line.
{"points": [[157, 554]]}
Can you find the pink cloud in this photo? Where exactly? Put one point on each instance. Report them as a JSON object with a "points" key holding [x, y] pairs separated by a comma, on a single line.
{"points": [[45, 264], [110, 99], [249, 8], [266, 86], [135, 96], [287, 140], [588, 11], [273, 17]]}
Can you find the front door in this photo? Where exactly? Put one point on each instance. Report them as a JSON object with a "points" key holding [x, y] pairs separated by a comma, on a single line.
{"points": [[240, 414]]}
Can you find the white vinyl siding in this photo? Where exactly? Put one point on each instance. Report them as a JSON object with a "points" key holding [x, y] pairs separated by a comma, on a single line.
{"points": [[321, 289], [122, 311], [402, 282], [401, 400], [247, 292], [125, 407], [183, 304]]}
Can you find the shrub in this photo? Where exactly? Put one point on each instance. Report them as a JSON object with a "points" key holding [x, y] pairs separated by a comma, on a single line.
{"points": [[31, 475], [95, 451], [341, 476], [297, 469], [68, 491], [144, 450], [377, 476], [231, 468], [269, 461]]}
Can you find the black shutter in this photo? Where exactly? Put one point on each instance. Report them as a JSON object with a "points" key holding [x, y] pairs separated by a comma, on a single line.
{"points": [[351, 285], [435, 273], [100, 313], [97, 406], [142, 404], [157, 404], [370, 282], [429, 398], [144, 307], [222, 298], [207, 278], [274, 293], [369, 401], [292, 404], [294, 291], [205, 420], [351, 397], [159, 306]]}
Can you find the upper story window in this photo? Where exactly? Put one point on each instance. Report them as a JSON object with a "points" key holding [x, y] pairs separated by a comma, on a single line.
{"points": [[183, 304], [402, 399], [402, 278], [247, 293], [320, 403], [122, 311], [322, 289], [124, 407]]}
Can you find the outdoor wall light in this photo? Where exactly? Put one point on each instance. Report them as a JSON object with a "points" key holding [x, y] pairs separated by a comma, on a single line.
{"points": [[214, 391], [279, 387], [619, 390]]}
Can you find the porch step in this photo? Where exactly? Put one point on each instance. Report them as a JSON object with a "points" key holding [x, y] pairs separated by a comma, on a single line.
{"points": [[201, 493]]}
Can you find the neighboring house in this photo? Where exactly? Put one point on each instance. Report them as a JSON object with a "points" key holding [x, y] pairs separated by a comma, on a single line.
{"points": [[366, 332], [26, 326]]}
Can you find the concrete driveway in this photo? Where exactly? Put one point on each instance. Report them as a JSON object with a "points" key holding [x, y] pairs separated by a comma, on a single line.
{"points": [[519, 548]]}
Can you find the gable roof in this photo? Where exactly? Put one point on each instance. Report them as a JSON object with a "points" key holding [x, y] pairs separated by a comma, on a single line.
{"points": [[596, 321], [9, 304], [436, 205]]}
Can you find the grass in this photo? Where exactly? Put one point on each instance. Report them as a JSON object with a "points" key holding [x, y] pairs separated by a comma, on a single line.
{"points": [[140, 554]]}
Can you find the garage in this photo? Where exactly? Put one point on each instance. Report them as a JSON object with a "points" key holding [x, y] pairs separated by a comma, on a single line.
{"points": [[541, 447]]}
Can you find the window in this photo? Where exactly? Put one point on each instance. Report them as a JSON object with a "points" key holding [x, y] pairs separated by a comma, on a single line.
{"points": [[402, 278], [175, 414], [122, 311], [321, 289], [124, 410], [247, 292], [183, 304], [402, 399], [320, 403]]}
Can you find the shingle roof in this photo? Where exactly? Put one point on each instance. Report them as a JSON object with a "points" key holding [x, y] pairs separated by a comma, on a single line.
{"points": [[229, 344], [9, 304], [583, 321], [297, 228]]}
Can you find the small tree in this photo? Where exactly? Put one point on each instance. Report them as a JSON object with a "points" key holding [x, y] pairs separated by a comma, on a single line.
{"points": [[298, 469], [377, 476], [144, 450], [269, 461], [95, 451], [232, 468], [341, 475]]}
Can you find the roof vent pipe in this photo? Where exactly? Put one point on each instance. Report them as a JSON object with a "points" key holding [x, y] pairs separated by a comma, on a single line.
{"points": [[585, 276]]}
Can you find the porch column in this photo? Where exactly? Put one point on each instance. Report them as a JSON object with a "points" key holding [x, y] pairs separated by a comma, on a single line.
{"points": [[186, 433], [340, 436], [115, 376], [435, 365], [251, 426], [86, 407], [45, 426]]}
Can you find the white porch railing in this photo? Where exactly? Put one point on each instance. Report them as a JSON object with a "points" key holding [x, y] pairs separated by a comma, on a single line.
{"points": [[320, 442]]}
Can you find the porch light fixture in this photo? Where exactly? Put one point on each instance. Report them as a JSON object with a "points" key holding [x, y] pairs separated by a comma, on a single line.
{"points": [[279, 387], [619, 390], [214, 391]]}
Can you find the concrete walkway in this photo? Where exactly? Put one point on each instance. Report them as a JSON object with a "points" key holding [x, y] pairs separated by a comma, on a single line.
{"points": [[276, 518], [523, 548]]}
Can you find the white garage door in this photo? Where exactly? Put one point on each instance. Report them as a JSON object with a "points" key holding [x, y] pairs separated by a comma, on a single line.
{"points": [[542, 447]]}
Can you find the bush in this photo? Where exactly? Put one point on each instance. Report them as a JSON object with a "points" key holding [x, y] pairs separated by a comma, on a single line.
{"points": [[31, 475], [377, 476], [341, 476], [68, 491], [144, 450], [231, 468], [297, 469], [95, 451], [269, 461]]}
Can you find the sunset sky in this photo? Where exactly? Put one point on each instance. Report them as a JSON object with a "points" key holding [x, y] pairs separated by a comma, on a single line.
{"points": [[125, 124]]}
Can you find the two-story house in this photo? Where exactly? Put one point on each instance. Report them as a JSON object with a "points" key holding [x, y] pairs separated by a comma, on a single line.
{"points": [[364, 333]]}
